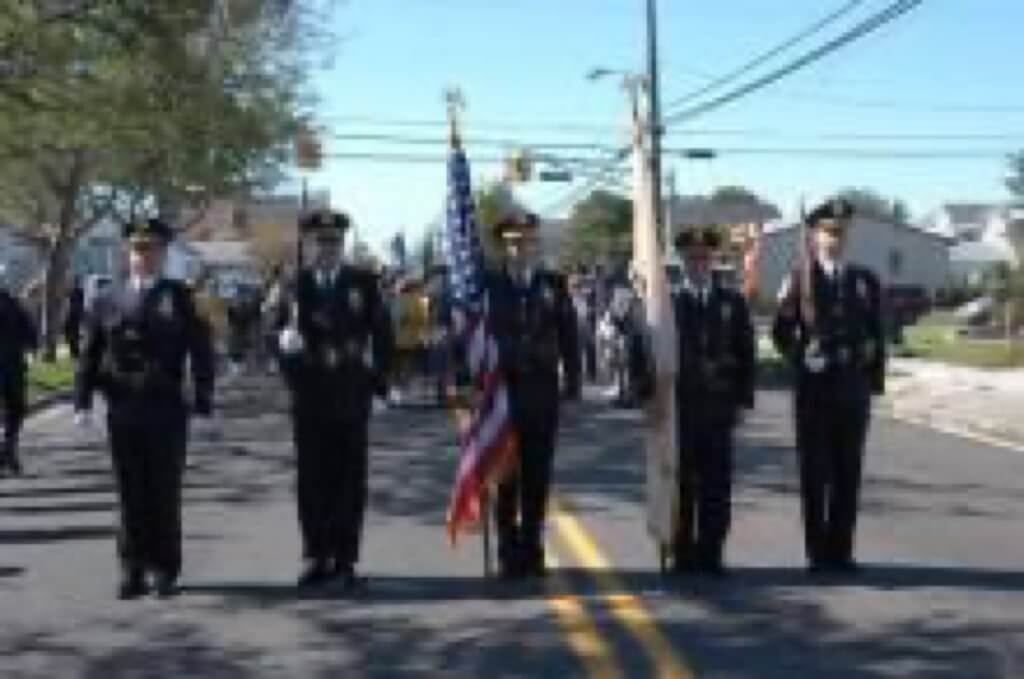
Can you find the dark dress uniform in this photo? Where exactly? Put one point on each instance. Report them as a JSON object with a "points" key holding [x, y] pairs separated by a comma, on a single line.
{"points": [[73, 319], [346, 334], [839, 361], [715, 380], [535, 327], [136, 346], [18, 337]]}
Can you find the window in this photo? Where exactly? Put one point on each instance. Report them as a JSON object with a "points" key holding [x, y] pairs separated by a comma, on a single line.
{"points": [[895, 262]]}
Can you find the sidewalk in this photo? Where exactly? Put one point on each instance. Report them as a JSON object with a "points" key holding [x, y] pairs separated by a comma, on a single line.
{"points": [[952, 397]]}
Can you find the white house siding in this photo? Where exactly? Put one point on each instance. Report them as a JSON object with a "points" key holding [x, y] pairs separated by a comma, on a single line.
{"points": [[899, 255]]}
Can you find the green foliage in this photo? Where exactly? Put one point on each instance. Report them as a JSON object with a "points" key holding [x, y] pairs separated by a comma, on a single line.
{"points": [[870, 204], [494, 202], [1015, 179], [129, 106], [600, 227], [735, 194], [943, 343], [45, 379], [116, 108]]}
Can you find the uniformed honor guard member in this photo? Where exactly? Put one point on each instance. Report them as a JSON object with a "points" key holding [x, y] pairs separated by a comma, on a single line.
{"points": [[829, 326], [17, 339], [336, 351], [137, 341], [714, 382], [533, 320]]}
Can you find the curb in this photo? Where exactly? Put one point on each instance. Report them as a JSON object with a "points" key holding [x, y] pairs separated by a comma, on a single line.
{"points": [[48, 401], [983, 431]]}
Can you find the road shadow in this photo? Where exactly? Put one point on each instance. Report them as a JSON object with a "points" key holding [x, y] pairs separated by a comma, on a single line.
{"points": [[878, 576], [32, 536], [11, 571], [762, 627]]}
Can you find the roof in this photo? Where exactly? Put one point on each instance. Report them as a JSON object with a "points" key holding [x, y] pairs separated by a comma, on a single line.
{"points": [[780, 229], [981, 252], [223, 252], [969, 213], [694, 210]]}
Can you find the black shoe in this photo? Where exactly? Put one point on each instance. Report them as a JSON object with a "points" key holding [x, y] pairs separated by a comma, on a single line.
{"points": [[713, 568], [133, 586], [166, 586], [511, 569], [345, 572], [316, 574], [536, 568], [845, 566], [818, 566], [14, 465]]}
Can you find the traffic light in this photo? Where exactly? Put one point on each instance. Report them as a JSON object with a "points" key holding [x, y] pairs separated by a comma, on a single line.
{"points": [[308, 152], [519, 167]]}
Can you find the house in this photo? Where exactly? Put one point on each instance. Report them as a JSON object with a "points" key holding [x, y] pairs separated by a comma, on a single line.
{"points": [[99, 250], [901, 255], [227, 264], [980, 237], [20, 258], [689, 211]]}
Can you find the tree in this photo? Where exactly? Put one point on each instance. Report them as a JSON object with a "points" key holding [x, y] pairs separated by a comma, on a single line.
{"points": [[1015, 179], [494, 202], [870, 204], [600, 226], [735, 194], [117, 109]]}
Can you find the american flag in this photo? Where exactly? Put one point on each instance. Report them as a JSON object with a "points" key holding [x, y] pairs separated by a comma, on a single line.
{"points": [[488, 446]]}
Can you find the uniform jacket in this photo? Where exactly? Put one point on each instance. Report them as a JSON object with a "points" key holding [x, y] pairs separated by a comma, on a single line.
{"points": [[348, 341], [717, 356], [17, 333], [140, 349], [847, 332], [535, 327]]}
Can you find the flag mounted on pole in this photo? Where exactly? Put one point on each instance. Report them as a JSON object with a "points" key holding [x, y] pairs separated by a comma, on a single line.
{"points": [[661, 433], [487, 439]]}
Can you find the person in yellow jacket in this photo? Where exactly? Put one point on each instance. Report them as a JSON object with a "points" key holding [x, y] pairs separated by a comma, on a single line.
{"points": [[412, 325]]}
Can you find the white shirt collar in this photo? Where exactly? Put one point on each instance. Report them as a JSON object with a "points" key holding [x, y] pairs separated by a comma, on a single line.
{"points": [[700, 291], [142, 283], [831, 267]]}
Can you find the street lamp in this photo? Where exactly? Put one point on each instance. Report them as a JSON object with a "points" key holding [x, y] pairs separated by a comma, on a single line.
{"points": [[598, 73]]}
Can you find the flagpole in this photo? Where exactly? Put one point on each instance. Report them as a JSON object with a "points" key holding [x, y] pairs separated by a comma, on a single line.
{"points": [[455, 101]]}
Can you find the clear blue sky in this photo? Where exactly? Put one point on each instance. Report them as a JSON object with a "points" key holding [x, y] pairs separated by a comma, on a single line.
{"points": [[951, 67]]}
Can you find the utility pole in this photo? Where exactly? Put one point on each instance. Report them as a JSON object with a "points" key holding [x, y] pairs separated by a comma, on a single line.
{"points": [[654, 110], [666, 231]]}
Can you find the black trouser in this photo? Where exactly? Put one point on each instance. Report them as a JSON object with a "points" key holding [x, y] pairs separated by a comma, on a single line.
{"points": [[705, 480], [14, 389], [524, 495], [832, 414], [333, 456], [147, 442]]}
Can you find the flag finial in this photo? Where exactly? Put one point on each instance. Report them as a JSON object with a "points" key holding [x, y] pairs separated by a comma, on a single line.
{"points": [[455, 102]]}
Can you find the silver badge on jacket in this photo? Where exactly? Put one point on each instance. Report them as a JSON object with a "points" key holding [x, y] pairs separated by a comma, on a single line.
{"points": [[166, 306], [355, 300]]}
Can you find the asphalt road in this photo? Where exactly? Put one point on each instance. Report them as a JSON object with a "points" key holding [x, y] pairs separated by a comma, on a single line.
{"points": [[943, 593]]}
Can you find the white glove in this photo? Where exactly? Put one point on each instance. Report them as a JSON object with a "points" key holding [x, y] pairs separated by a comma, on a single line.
{"points": [[290, 341], [814, 363], [83, 419]]}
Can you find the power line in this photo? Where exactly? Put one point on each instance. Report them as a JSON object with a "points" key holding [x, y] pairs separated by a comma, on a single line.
{"points": [[852, 153], [554, 126], [745, 68], [866, 27], [600, 170], [690, 133]]}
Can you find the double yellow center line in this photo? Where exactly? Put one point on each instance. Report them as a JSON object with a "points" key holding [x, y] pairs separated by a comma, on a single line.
{"points": [[582, 632]]}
